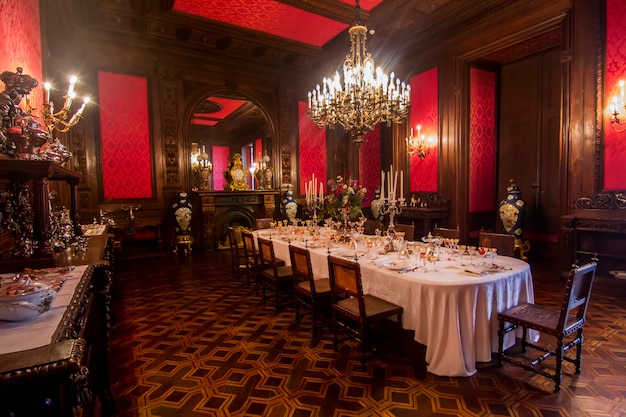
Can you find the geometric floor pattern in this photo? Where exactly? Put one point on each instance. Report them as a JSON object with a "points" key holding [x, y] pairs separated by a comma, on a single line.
{"points": [[190, 341]]}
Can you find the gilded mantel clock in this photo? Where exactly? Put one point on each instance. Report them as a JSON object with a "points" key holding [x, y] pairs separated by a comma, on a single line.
{"points": [[237, 174]]}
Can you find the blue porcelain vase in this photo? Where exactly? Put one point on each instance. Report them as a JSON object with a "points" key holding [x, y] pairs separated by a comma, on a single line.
{"points": [[512, 211], [183, 212], [289, 206], [376, 206]]}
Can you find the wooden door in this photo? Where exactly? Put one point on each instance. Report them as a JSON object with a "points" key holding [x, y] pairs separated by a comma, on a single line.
{"points": [[529, 137]]}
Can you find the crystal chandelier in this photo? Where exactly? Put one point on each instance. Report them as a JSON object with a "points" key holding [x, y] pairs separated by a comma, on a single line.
{"points": [[362, 96]]}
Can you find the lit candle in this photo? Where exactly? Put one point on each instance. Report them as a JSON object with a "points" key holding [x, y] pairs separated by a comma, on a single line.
{"points": [[70, 89], [46, 90], [621, 86], [395, 184]]}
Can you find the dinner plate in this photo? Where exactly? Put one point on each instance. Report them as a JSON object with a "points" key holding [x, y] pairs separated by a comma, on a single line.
{"points": [[396, 266], [492, 268], [618, 274]]}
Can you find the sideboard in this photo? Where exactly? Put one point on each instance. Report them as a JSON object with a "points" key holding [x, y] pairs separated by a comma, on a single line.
{"points": [[595, 227], [56, 364]]}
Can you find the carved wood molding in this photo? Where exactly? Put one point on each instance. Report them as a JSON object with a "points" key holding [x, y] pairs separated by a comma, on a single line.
{"points": [[169, 127], [606, 200]]}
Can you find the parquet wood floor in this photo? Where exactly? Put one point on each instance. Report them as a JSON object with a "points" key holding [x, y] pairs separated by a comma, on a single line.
{"points": [[191, 341]]}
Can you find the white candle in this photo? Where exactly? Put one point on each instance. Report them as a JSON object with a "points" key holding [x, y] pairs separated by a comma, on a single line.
{"points": [[395, 184], [401, 184], [306, 191], [382, 184], [46, 89], [321, 191]]}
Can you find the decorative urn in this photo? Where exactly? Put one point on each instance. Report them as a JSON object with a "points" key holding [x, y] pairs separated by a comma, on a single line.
{"points": [[512, 211], [289, 205]]}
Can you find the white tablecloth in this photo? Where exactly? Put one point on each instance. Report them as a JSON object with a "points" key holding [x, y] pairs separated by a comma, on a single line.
{"points": [[38, 331], [453, 313]]}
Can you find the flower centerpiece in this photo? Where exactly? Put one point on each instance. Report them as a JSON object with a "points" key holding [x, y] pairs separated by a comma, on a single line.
{"points": [[345, 195]]}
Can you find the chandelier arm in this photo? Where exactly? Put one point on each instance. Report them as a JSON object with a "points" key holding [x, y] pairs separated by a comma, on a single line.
{"points": [[617, 122]]}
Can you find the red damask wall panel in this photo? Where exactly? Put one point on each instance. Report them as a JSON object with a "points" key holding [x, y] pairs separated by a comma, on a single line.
{"points": [[125, 136], [425, 112], [312, 149], [369, 164], [21, 42], [258, 149], [482, 161], [614, 142], [221, 158]]}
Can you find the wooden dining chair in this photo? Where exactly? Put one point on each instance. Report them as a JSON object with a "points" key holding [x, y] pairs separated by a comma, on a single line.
{"points": [[407, 229], [447, 233], [353, 310], [503, 243], [561, 324], [263, 223], [274, 276], [237, 254], [313, 294], [253, 260], [370, 226]]}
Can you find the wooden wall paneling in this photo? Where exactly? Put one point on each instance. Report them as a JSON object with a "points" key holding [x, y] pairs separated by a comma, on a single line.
{"points": [[584, 133], [167, 140], [454, 159], [287, 138]]}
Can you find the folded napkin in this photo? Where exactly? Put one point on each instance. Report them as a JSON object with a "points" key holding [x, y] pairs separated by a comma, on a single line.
{"points": [[473, 271]]}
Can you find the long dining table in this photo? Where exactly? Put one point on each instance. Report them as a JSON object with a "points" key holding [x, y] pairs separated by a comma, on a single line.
{"points": [[451, 304]]}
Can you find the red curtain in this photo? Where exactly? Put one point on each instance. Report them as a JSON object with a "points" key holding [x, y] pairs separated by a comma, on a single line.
{"points": [[125, 136]]}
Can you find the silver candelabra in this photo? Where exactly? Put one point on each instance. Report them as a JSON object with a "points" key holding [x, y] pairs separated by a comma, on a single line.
{"points": [[313, 204], [392, 206]]}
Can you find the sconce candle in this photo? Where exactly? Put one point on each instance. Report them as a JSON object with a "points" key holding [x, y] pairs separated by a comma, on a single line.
{"points": [[617, 103]]}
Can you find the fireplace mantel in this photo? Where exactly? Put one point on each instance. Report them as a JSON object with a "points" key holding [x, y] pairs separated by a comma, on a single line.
{"points": [[219, 209]]}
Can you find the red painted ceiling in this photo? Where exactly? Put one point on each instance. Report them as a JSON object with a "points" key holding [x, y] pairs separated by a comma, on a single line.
{"points": [[272, 17], [226, 107]]}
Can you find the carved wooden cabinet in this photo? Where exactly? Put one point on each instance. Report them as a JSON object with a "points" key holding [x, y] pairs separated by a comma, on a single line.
{"points": [[425, 211], [40, 173], [596, 226], [68, 376]]}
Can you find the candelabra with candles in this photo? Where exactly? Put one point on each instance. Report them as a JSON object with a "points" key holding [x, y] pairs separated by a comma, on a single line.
{"points": [[615, 105], [314, 197], [58, 121], [61, 121], [201, 166], [418, 144], [390, 204]]}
